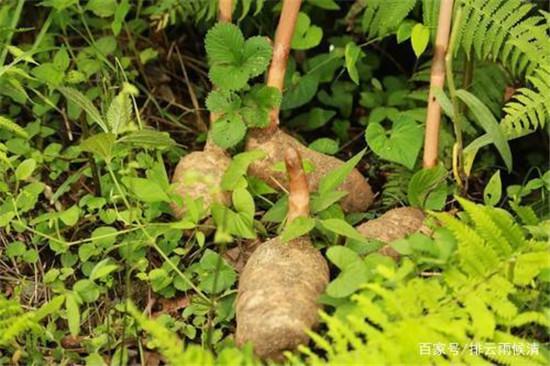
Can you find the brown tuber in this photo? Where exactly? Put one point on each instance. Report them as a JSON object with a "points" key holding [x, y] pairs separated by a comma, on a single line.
{"points": [[281, 283], [199, 174], [275, 142], [394, 225]]}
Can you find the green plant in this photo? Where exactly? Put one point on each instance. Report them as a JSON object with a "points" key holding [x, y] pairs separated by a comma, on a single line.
{"points": [[483, 293]]}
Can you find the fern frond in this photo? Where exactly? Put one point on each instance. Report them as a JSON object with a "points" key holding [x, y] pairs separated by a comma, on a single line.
{"points": [[502, 30], [530, 109], [382, 17]]}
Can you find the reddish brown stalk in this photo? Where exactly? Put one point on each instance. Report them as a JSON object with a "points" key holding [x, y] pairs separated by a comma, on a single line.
{"points": [[225, 8], [298, 200], [281, 49], [437, 80]]}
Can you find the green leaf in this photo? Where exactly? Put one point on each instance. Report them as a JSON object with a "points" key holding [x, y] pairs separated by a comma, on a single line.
{"points": [[223, 44], [427, 188], [336, 177], [25, 169], [403, 144], [488, 122], [159, 279], [119, 113], [102, 8], [228, 131], [120, 14], [222, 101], [87, 290], [244, 203], [354, 272], [80, 100], [300, 226], [325, 145], [146, 190], [257, 54], [70, 216], [8, 124], [103, 269], [320, 202], [443, 101], [300, 92], [493, 190], [341, 227], [420, 37], [15, 249], [277, 212], [306, 36], [325, 4], [73, 313], [238, 167], [100, 144], [148, 138], [48, 73], [313, 119], [404, 31], [352, 55]]}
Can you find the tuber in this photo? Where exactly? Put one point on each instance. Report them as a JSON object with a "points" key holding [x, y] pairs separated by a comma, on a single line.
{"points": [[393, 225], [274, 141], [199, 174], [281, 282]]}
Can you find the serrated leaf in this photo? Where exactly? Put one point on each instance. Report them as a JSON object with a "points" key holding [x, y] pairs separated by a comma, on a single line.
{"points": [[119, 113], [146, 190], [256, 54], [228, 77], [222, 101], [223, 44], [80, 99], [228, 131], [100, 144]]}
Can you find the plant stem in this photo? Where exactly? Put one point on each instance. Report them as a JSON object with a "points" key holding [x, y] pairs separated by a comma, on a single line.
{"points": [[437, 80], [458, 170], [13, 25], [298, 200], [281, 50]]}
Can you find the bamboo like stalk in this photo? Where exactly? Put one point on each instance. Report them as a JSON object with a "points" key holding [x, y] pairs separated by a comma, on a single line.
{"points": [[437, 80], [225, 9], [281, 50], [298, 200]]}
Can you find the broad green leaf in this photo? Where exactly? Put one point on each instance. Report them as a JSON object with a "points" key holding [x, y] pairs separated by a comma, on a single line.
{"points": [[120, 13], [341, 227], [16, 249], [146, 190], [87, 290], [223, 44], [100, 144], [8, 124], [148, 138], [73, 313], [354, 272], [104, 236], [244, 203], [223, 101], [51, 307], [320, 202], [70, 216], [352, 54], [228, 131], [488, 122], [420, 37], [325, 145], [306, 36], [80, 100], [493, 190], [336, 177], [403, 144], [300, 226], [48, 73], [300, 91], [277, 212], [443, 101], [313, 119], [404, 31], [119, 113], [238, 167], [428, 189], [103, 269], [102, 8], [25, 169]]}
